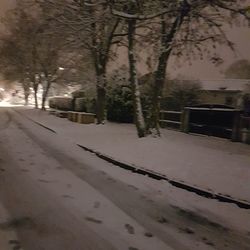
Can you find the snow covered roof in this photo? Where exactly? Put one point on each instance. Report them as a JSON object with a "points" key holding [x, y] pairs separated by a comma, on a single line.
{"points": [[225, 84]]}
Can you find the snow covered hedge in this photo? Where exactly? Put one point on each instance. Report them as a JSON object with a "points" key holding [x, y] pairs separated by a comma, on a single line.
{"points": [[61, 103], [78, 94], [80, 105]]}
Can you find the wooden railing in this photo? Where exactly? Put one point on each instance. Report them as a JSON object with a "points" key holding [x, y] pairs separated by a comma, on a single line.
{"points": [[170, 119]]}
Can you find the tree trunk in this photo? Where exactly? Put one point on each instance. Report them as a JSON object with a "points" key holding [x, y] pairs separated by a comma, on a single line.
{"points": [[35, 96], [101, 96], [26, 98], [100, 105], [139, 119], [35, 84], [26, 90], [46, 88], [43, 102], [160, 75]]}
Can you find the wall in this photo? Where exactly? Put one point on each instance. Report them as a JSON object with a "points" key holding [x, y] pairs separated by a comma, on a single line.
{"points": [[225, 97]]}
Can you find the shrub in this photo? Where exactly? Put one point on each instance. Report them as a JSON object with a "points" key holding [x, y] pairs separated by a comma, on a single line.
{"points": [[120, 104], [90, 105], [61, 103], [80, 105], [78, 94], [181, 94]]}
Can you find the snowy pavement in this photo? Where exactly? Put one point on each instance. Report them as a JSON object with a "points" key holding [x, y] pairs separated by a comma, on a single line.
{"points": [[210, 163], [71, 199], [8, 238]]}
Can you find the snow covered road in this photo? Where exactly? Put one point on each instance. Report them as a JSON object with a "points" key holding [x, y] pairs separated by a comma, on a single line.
{"points": [[209, 163], [61, 197]]}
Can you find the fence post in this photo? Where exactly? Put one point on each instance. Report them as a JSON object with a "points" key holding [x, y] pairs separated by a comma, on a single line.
{"points": [[236, 132], [185, 120]]}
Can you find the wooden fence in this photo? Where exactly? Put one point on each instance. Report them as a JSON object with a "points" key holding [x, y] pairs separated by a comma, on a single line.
{"points": [[170, 119], [225, 123]]}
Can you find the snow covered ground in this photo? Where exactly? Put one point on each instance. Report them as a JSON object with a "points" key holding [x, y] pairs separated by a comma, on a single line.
{"points": [[60, 186], [207, 162], [8, 238]]}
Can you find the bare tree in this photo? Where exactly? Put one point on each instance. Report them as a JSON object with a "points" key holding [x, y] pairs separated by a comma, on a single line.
{"points": [[88, 26], [133, 12], [16, 50], [35, 52], [180, 28], [190, 27]]}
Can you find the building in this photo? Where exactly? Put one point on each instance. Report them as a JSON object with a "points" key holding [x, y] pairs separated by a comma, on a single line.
{"points": [[229, 92]]}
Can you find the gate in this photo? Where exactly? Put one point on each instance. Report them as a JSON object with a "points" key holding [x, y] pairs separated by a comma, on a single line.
{"points": [[216, 120]]}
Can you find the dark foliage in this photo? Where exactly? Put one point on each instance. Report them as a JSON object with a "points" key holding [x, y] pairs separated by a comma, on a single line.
{"points": [[120, 104]]}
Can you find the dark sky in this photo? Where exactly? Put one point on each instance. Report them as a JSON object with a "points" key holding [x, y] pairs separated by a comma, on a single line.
{"points": [[199, 69]]}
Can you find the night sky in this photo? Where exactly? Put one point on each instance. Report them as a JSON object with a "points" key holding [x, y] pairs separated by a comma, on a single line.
{"points": [[199, 69]]}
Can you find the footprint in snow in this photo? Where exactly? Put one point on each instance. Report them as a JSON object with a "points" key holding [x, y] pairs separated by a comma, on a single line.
{"points": [[187, 230], [133, 187], [97, 204], [111, 179], [208, 242], [44, 181], [94, 220], [149, 235], [162, 220], [24, 170], [130, 229], [14, 242], [68, 196]]}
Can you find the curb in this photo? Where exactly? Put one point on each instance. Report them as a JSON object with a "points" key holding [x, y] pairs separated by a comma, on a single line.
{"points": [[38, 123], [179, 184], [157, 176]]}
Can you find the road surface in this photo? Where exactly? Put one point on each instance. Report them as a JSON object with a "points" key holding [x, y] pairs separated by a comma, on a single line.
{"points": [[59, 197]]}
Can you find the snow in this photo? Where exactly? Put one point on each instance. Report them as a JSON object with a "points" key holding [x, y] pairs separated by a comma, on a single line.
{"points": [[110, 222], [6, 235], [228, 84], [147, 199], [211, 163], [8, 104]]}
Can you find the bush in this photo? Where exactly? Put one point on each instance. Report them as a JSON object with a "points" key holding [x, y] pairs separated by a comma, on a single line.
{"points": [[78, 94], [61, 103], [90, 105], [120, 104], [80, 105], [182, 94]]}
